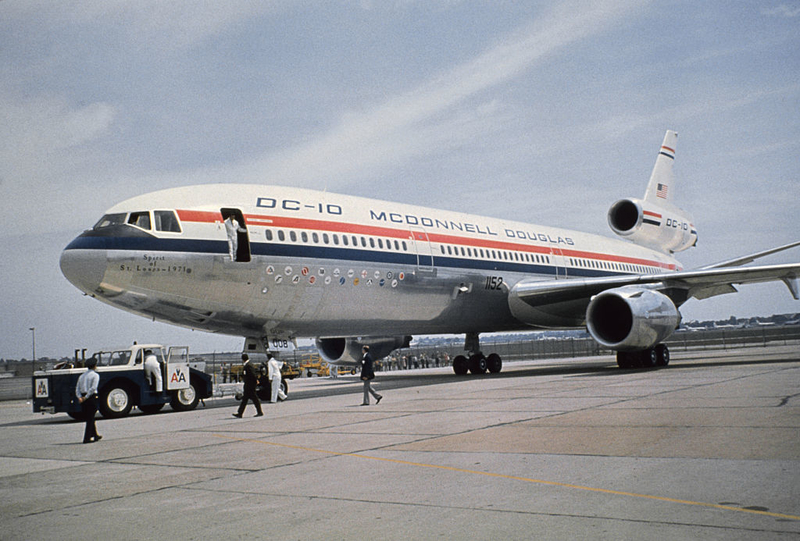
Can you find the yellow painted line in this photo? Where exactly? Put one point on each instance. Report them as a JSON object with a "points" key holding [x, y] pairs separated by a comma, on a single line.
{"points": [[517, 478]]}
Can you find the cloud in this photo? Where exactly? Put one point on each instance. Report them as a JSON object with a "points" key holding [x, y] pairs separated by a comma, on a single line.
{"points": [[37, 126], [415, 122], [151, 22], [782, 10]]}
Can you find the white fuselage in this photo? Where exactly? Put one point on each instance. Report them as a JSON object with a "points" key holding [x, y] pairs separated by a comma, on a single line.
{"points": [[316, 264]]}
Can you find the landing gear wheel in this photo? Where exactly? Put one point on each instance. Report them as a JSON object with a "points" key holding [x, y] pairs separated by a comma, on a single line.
{"points": [[115, 401], [477, 363], [662, 355], [649, 358], [460, 365], [494, 363], [185, 399], [627, 359]]}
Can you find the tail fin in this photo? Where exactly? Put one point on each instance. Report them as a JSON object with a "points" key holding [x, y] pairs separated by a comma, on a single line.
{"points": [[655, 221], [661, 188]]}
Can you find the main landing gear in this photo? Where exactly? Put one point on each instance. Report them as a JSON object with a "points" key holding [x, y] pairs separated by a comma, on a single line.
{"points": [[477, 362], [649, 358]]}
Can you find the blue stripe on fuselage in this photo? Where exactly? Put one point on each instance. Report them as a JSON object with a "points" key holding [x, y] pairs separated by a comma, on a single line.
{"points": [[220, 247]]}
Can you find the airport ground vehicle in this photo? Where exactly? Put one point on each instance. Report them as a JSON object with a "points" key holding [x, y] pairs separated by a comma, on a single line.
{"points": [[124, 383], [330, 370]]}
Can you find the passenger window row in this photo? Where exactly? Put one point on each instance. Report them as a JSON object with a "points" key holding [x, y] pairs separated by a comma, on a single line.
{"points": [[498, 255], [335, 239], [620, 267]]}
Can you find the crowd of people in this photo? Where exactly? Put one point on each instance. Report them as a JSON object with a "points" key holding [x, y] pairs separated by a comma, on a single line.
{"points": [[413, 361]]}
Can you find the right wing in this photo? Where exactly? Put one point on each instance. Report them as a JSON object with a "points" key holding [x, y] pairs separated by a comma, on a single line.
{"points": [[570, 297]]}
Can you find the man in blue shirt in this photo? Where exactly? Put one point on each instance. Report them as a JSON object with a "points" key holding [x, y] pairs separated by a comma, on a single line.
{"points": [[86, 391]]}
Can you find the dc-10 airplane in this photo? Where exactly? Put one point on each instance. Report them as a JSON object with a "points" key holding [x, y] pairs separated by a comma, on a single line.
{"points": [[351, 271]]}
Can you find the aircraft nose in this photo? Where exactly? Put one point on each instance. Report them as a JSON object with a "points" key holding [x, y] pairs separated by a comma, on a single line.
{"points": [[83, 268]]}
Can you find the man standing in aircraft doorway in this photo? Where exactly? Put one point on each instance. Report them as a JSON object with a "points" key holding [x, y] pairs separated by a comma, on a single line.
{"points": [[367, 375], [232, 228]]}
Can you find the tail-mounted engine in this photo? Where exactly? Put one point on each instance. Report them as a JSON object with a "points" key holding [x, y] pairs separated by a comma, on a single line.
{"points": [[631, 318], [655, 221], [348, 350], [665, 229]]}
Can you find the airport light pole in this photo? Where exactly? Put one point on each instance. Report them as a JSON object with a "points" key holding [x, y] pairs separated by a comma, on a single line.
{"points": [[33, 330], [33, 362]]}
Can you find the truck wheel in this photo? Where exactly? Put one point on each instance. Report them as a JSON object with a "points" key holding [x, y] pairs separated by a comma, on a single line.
{"points": [[115, 401], [185, 399]]}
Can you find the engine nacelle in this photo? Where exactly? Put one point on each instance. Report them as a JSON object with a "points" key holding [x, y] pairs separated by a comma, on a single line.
{"points": [[631, 318], [665, 228], [348, 350]]}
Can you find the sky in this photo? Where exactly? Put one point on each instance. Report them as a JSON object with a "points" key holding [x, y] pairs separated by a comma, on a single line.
{"points": [[543, 112]]}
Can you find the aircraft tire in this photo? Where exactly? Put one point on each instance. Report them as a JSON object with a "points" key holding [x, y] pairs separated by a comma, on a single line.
{"points": [[460, 365], [649, 358], [626, 360], [477, 363], [494, 363], [662, 354]]}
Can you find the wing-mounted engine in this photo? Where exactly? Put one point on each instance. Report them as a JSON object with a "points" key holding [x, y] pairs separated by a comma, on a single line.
{"points": [[348, 350], [665, 229], [631, 318], [655, 221]]}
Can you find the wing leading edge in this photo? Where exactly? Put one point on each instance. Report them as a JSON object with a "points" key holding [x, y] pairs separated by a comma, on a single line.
{"points": [[678, 286]]}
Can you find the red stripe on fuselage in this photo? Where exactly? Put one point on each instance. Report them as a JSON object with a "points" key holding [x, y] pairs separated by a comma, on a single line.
{"points": [[327, 226]]}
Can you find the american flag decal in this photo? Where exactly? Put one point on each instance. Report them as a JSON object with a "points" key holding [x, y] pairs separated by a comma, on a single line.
{"points": [[661, 191]]}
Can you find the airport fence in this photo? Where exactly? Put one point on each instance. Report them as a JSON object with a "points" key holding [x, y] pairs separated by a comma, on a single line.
{"points": [[515, 348], [520, 349]]}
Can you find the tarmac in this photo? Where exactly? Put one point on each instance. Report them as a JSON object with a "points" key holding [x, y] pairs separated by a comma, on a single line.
{"points": [[708, 448]]}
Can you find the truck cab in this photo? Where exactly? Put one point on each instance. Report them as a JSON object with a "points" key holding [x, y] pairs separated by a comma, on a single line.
{"points": [[128, 377]]}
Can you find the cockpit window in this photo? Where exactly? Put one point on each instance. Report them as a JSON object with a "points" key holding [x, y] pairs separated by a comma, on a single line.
{"points": [[140, 219], [166, 221], [110, 219]]}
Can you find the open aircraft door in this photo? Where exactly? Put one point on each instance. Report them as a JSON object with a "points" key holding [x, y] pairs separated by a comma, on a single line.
{"points": [[423, 248], [243, 237], [559, 262]]}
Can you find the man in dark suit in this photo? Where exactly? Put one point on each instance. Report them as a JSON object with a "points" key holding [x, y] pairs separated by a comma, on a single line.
{"points": [[250, 382], [367, 375]]}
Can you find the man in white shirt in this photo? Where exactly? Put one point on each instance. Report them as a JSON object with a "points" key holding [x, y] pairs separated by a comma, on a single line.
{"points": [[274, 374], [86, 391], [152, 369], [232, 228]]}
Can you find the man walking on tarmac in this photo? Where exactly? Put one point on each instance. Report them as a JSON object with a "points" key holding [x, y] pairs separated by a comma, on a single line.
{"points": [[86, 391], [368, 374], [250, 383]]}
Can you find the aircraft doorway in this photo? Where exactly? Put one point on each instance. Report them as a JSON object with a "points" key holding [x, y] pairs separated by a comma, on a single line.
{"points": [[238, 238], [422, 246], [559, 262]]}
